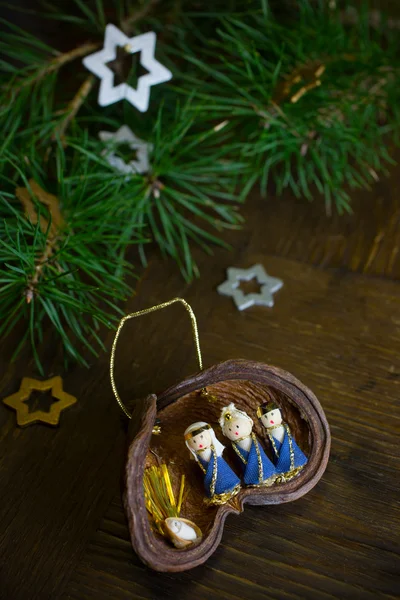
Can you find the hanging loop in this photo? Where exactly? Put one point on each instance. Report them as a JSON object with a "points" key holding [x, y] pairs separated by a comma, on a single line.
{"points": [[140, 313]]}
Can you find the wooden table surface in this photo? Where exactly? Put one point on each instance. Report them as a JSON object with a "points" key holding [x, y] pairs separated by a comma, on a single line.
{"points": [[335, 325]]}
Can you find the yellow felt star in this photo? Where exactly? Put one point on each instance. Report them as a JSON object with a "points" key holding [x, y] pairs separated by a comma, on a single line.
{"points": [[28, 385]]}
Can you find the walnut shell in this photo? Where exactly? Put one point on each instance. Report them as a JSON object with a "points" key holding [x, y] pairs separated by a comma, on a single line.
{"points": [[248, 384]]}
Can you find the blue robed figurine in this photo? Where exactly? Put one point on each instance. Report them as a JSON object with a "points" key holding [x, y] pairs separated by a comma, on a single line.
{"points": [[237, 426], [288, 458], [220, 482]]}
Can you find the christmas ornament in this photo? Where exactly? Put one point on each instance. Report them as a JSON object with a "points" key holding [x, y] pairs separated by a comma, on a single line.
{"points": [[97, 64], [231, 392], [237, 426], [289, 459], [125, 135], [17, 401], [51, 202], [269, 285], [220, 482]]}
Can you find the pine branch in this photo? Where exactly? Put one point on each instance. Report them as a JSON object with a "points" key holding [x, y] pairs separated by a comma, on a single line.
{"points": [[73, 108], [54, 65], [66, 266], [192, 181], [138, 15], [50, 228], [308, 111]]}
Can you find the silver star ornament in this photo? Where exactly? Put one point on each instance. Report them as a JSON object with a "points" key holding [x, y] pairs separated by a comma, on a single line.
{"points": [[97, 64], [269, 285], [125, 135]]}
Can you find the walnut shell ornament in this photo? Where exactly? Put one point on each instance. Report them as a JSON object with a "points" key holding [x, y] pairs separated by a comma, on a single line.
{"points": [[201, 397]]}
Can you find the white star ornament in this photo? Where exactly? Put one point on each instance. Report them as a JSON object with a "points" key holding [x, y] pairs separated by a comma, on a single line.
{"points": [[231, 287], [126, 135], [97, 64]]}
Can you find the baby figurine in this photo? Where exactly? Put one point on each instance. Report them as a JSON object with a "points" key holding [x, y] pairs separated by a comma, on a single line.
{"points": [[288, 458], [182, 532], [237, 426], [220, 481]]}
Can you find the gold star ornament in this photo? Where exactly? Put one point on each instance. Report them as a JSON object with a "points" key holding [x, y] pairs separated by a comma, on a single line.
{"points": [[17, 401]]}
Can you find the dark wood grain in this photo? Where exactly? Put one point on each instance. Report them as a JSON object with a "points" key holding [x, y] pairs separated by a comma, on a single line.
{"points": [[337, 332], [335, 326], [365, 241]]}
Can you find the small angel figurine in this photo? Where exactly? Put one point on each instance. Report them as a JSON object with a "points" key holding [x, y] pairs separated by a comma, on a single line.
{"points": [[288, 458], [220, 481], [237, 426]]}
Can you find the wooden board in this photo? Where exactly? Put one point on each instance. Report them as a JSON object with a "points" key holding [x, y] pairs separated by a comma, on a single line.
{"points": [[339, 333], [333, 326]]}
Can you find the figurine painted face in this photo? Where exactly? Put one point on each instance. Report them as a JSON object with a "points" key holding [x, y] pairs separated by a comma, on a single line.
{"points": [[235, 424], [272, 418], [201, 441], [237, 428], [201, 436]]}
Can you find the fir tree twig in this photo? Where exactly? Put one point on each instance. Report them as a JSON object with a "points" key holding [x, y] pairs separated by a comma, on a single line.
{"points": [[73, 108], [138, 15], [50, 228], [55, 64]]}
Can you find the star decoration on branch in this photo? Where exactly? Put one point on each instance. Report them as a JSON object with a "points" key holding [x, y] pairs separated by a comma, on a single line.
{"points": [[269, 285], [25, 196], [125, 135], [97, 64], [49, 226], [17, 401]]}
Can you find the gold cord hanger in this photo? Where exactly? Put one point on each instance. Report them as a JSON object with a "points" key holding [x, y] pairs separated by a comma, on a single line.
{"points": [[140, 313]]}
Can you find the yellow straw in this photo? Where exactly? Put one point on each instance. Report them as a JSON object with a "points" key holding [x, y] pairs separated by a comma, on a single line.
{"points": [[167, 480], [159, 495], [181, 494]]}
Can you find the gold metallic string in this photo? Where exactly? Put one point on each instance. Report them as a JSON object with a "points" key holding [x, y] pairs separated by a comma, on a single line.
{"points": [[140, 313]]}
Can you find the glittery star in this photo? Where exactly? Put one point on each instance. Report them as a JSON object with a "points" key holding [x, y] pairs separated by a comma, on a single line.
{"points": [[97, 64], [269, 285], [28, 385], [125, 135]]}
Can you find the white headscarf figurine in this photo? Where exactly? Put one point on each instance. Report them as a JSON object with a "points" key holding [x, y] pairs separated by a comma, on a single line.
{"points": [[237, 426], [288, 458], [220, 482]]}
